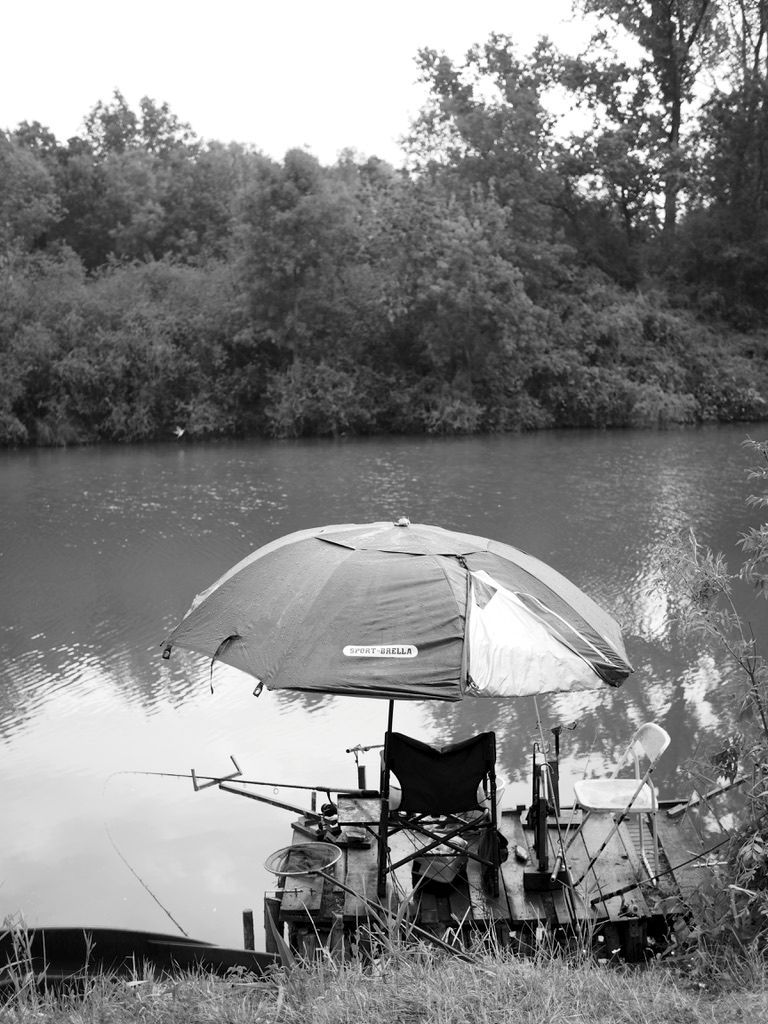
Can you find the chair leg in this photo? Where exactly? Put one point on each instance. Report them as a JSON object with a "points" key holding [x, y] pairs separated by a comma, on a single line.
{"points": [[570, 840], [593, 860], [490, 872], [382, 846], [655, 848], [493, 879], [382, 850]]}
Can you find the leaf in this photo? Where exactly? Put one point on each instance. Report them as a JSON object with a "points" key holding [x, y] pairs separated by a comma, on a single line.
{"points": [[287, 959]]}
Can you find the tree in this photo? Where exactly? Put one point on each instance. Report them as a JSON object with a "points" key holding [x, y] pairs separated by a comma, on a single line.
{"points": [[112, 128], [678, 36], [128, 186], [80, 183], [38, 139], [297, 236], [458, 319], [29, 206], [161, 132], [200, 196], [725, 254], [746, 55], [611, 169], [485, 124]]}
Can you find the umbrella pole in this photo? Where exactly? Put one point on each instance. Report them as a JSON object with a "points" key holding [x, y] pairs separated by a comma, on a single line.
{"points": [[384, 784], [381, 885]]}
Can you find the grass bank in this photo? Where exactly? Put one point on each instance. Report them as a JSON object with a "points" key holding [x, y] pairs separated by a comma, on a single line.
{"points": [[417, 985]]}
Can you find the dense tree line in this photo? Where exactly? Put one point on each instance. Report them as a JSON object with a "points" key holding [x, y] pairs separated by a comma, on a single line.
{"points": [[518, 273]]}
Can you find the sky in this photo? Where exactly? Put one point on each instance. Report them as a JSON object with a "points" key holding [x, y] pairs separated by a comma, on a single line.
{"points": [[324, 75]]}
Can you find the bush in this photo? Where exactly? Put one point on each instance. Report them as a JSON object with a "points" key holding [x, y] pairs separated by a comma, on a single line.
{"points": [[451, 412], [733, 914], [317, 400]]}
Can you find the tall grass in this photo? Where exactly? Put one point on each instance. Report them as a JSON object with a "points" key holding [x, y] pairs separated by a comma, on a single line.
{"points": [[411, 983]]}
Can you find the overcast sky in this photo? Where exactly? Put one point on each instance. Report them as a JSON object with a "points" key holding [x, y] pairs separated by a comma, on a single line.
{"points": [[325, 75]]}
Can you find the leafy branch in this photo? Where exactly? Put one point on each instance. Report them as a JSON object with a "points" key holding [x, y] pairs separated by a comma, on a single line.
{"points": [[735, 913]]}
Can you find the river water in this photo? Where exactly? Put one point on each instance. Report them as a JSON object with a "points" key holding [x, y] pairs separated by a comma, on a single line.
{"points": [[102, 550]]}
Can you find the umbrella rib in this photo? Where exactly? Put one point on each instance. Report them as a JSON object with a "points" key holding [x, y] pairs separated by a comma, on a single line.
{"points": [[460, 560], [578, 633], [529, 575], [462, 614]]}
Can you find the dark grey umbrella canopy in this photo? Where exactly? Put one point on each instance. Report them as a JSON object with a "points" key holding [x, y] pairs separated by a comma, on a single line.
{"points": [[381, 610]]}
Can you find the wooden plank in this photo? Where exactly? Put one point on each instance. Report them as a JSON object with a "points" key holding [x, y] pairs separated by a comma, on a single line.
{"points": [[362, 876], [484, 906], [444, 911], [428, 912], [460, 907], [567, 905], [335, 942], [629, 838], [511, 826], [522, 906], [359, 810], [307, 943], [248, 936], [303, 894], [680, 808], [271, 924], [680, 845], [565, 820], [564, 914], [634, 900], [333, 895], [612, 872], [360, 814], [630, 834], [400, 882], [707, 821]]}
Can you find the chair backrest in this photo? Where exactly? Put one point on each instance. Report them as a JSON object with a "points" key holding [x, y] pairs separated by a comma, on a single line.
{"points": [[440, 780], [650, 741]]}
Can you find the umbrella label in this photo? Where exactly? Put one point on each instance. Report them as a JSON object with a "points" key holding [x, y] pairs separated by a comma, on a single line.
{"points": [[388, 651]]}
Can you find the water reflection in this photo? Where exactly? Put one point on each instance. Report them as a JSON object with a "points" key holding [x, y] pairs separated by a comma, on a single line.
{"points": [[103, 549]]}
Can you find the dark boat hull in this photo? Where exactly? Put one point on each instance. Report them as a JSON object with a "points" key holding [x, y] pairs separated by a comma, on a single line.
{"points": [[63, 954]]}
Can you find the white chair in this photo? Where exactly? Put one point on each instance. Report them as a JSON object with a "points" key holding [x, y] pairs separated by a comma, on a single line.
{"points": [[623, 796]]}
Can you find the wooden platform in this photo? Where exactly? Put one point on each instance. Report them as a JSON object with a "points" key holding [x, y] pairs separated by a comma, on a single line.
{"points": [[614, 901]]}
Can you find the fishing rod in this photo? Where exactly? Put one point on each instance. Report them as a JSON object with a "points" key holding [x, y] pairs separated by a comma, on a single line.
{"points": [[201, 782], [327, 815]]}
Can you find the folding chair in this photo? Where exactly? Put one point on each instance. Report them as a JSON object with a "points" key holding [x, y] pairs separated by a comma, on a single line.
{"points": [[624, 796], [441, 782]]}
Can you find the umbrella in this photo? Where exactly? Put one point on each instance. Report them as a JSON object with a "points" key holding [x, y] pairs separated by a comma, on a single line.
{"points": [[403, 610]]}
